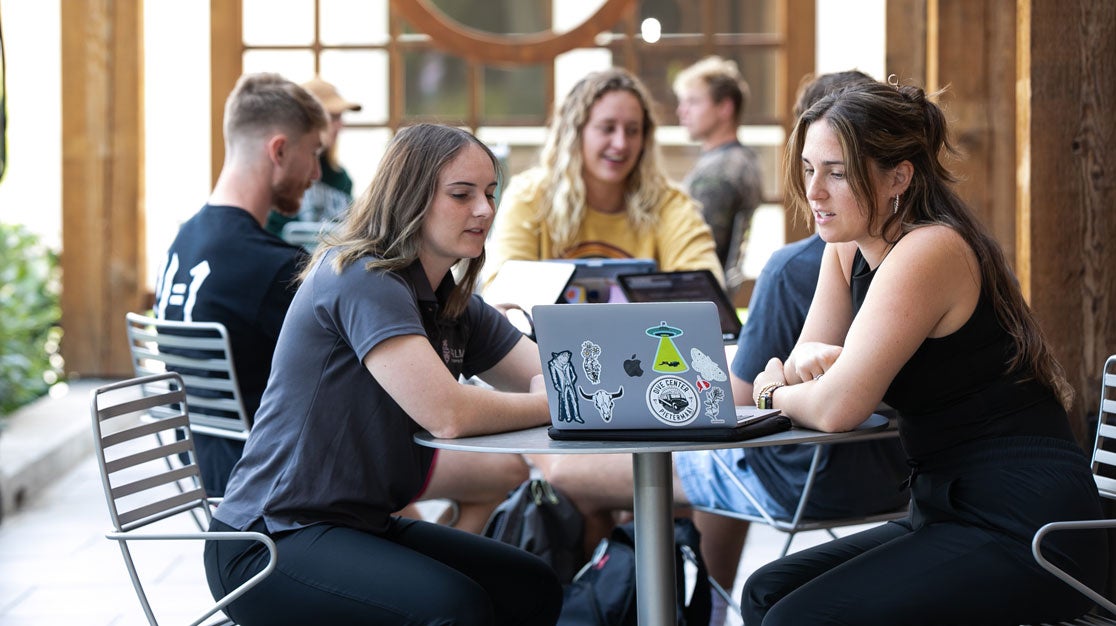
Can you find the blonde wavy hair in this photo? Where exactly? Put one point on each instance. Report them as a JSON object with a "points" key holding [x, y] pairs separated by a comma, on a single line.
{"points": [[562, 201]]}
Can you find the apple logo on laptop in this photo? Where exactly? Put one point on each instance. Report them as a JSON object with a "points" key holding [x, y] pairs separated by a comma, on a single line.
{"points": [[632, 367]]}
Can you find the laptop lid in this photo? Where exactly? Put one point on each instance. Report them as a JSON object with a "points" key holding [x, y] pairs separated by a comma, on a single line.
{"points": [[638, 366], [528, 283], [595, 280], [689, 285]]}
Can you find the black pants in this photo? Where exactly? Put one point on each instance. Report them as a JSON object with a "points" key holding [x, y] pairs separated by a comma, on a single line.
{"points": [[962, 557], [415, 573]]}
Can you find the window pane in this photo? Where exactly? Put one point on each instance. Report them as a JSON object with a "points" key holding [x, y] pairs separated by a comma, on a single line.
{"points": [[354, 22], [674, 16], [359, 150], [296, 65], [572, 66], [278, 22], [435, 84], [362, 77], [514, 92], [658, 65], [498, 16], [745, 16], [568, 14], [760, 68]]}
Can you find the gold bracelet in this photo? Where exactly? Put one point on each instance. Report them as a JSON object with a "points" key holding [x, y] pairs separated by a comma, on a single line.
{"points": [[763, 399]]}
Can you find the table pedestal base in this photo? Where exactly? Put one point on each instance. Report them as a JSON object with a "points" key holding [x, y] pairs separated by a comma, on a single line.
{"points": [[654, 537]]}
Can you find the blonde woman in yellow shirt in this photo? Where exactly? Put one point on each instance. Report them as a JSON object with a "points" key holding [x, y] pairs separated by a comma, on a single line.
{"points": [[599, 189]]}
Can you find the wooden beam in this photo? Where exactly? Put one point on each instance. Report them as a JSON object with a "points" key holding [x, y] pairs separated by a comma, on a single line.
{"points": [[906, 45], [798, 24], [1067, 75], [226, 63], [102, 182], [975, 60], [483, 47]]}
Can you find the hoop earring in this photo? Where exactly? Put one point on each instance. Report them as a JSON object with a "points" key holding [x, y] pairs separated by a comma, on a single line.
{"points": [[895, 207]]}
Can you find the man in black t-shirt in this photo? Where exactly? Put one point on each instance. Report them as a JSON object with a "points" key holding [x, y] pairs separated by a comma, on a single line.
{"points": [[223, 266]]}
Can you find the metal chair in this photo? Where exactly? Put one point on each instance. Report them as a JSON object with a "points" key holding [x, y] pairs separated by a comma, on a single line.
{"points": [[142, 486], [305, 234], [798, 521], [1104, 471], [201, 353]]}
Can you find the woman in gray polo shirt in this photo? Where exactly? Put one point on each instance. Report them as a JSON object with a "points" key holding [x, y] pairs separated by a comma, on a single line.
{"points": [[370, 353]]}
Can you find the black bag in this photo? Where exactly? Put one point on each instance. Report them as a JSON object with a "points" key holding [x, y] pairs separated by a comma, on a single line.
{"points": [[539, 519], [604, 592]]}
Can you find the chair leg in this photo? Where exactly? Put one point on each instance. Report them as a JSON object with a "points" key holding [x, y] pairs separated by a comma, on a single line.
{"points": [[726, 596], [786, 546]]}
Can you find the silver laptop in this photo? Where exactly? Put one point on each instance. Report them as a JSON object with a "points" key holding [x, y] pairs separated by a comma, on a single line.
{"points": [[641, 371]]}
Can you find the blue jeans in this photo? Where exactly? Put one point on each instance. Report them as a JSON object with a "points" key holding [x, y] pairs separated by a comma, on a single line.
{"points": [[706, 482]]}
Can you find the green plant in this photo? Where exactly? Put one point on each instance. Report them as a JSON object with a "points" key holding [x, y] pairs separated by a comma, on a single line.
{"points": [[29, 316]]}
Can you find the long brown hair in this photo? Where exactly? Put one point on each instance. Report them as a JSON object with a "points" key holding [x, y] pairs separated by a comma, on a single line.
{"points": [[886, 125], [385, 222]]}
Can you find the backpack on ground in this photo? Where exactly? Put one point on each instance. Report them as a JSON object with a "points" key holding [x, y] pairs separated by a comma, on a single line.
{"points": [[538, 518], [604, 592]]}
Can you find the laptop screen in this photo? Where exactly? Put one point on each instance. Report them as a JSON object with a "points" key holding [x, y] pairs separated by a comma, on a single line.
{"points": [[684, 286]]}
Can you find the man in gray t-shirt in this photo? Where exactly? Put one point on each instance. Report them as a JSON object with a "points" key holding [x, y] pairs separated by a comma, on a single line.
{"points": [[726, 179]]}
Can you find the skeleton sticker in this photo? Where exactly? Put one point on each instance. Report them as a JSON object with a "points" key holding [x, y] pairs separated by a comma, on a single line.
{"points": [[604, 400], [668, 360], [712, 401], [590, 363], [706, 367], [562, 377]]}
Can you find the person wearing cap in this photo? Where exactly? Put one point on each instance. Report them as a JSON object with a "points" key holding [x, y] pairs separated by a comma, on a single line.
{"points": [[328, 198]]}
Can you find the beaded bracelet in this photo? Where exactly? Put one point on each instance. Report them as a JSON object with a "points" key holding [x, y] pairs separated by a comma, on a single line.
{"points": [[764, 399]]}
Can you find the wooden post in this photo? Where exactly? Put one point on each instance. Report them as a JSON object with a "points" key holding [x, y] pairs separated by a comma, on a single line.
{"points": [[798, 24], [226, 63], [1066, 134], [975, 59], [102, 182], [906, 44]]}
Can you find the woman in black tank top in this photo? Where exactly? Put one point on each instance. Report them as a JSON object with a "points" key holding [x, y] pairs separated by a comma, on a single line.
{"points": [[916, 306]]}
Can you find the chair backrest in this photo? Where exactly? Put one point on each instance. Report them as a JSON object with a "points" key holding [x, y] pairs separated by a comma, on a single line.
{"points": [[147, 466], [1104, 448], [200, 352], [305, 234]]}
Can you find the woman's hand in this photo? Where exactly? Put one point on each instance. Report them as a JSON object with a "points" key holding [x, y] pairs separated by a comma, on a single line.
{"points": [[772, 374], [810, 360]]}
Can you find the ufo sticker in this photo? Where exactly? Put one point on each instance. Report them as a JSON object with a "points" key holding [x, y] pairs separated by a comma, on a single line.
{"points": [[668, 360]]}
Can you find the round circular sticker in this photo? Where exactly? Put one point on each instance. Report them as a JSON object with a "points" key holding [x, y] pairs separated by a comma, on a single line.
{"points": [[672, 400]]}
